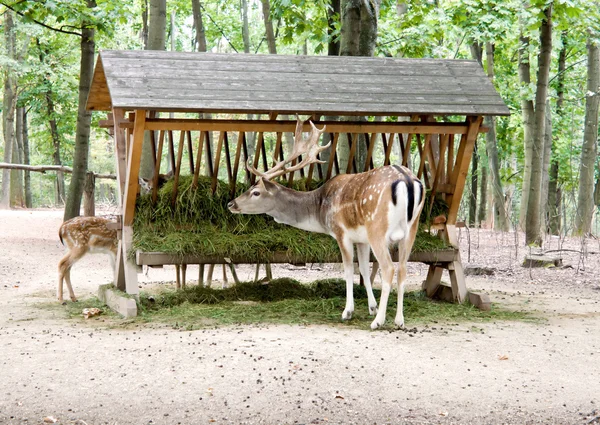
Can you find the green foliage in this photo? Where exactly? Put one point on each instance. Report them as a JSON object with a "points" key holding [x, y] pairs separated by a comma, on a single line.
{"points": [[289, 301], [200, 223]]}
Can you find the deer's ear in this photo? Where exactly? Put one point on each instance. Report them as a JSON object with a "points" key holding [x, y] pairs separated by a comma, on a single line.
{"points": [[267, 185]]}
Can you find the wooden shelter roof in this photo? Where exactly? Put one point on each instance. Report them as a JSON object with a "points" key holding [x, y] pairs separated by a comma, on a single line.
{"points": [[262, 84]]}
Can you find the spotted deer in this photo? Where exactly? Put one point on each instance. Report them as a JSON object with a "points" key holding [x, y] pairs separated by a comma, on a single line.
{"points": [[83, 235], [373, 209]]}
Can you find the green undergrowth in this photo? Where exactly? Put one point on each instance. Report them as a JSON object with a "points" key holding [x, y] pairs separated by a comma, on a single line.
{"points": [[199, 222], [287, 301]]}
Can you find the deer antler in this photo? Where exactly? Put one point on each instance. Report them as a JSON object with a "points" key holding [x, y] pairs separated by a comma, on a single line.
{"points": [[302, 146]]}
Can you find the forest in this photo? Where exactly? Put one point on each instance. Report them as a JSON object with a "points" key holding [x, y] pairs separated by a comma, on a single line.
{"points": [[536, 170]]}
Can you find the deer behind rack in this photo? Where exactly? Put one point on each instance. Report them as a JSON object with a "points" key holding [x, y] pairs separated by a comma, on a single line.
{"points": [[374, 209], [83, 235]]}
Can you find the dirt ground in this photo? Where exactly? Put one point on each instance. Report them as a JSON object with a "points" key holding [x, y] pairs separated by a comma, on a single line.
{"points": [[80, 372]]}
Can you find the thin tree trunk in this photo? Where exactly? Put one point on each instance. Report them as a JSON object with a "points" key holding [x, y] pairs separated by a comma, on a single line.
{"points": [[17, 198], [56, 142], [8, 106], [144, 34], [245, 30], [26, 161], [546, 170], [585, 204], [500, 219], [554, 201], [473, 196], [200, 39], [350, 31], [532, 226], [333, 12], [157, 35], [266, 8], [82, 135], [483, 186], [528, 131]]}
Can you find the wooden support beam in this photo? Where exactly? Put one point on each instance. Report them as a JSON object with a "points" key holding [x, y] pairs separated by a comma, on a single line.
{"points": [[161, 140], [133, 168], [290, 126]]}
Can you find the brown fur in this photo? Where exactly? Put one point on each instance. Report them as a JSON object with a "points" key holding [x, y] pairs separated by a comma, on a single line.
{"points": [[82, 235]]}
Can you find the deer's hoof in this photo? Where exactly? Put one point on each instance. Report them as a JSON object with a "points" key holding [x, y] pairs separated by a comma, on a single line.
{"points": [[399, 323], [347, 315], [376, 324], [373, 310]]}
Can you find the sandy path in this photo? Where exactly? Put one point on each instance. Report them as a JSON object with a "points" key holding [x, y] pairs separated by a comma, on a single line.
{"points": [[77, 371]]}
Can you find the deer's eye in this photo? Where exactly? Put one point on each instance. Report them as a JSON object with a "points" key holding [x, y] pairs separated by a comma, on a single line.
{"points": [[256, 193]]}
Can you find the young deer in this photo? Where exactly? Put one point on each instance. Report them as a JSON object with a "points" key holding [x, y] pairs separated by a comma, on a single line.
{"points": [[376, 208], [82, 235]]}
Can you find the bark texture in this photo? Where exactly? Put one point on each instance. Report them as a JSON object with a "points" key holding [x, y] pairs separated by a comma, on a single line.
{"points": [[9, 102], [532, 225], [82, 135], [200, 38], [333, 14], [270, 34], [245, 28], [585, 198], [527, 110]]}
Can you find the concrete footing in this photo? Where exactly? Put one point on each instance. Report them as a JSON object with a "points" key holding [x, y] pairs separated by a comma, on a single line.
{"points": [[117, 300]]}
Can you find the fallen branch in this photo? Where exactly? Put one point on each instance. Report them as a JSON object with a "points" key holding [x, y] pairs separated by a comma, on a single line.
{"points": [[571, 250], [43, 168]]}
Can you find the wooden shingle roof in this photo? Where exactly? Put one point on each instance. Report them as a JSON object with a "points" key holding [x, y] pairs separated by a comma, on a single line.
{"points": [[322, 85]]}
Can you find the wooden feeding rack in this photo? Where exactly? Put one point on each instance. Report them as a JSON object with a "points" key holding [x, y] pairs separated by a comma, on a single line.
{"points": [[421, 113]]}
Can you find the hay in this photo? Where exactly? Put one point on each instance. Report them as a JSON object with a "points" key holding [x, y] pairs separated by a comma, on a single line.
{"points": [[199, 223]]}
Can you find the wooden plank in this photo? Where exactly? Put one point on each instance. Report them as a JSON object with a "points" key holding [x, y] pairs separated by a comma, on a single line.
{"points": [[450, 162], [290, 126], [133, 168], [236, 162], [171, 152], [439, 171], [199, 158], [332, 155], [461, 168], [228, 159], [215, 173], [161, 139], [209, 155], [352, 142], [259, 143], [160, 258], [370, 145], [120, 154], [190, 151], [177, 169]]}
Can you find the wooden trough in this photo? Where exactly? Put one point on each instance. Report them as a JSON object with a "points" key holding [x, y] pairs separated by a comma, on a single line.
{"points": [[421, 113]]}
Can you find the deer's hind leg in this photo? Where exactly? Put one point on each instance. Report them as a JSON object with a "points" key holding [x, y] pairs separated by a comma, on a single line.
{"points": [[64, 272], [382, 254], [363, 250], [346, 248]]}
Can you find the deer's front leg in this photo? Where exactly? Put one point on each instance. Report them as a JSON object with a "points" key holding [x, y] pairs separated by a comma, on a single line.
{"points": [[347, 257], [363, 250]]}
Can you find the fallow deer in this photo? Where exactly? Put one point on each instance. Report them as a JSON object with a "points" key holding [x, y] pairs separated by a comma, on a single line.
{"points": [[376, 208], [83, 235]]}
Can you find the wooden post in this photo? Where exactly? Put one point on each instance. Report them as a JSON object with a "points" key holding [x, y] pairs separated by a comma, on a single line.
{"points": [[131, 188], [89, 208]]}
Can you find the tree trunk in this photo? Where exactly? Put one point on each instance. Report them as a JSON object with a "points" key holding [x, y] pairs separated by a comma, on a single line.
{"points": [[532, 224], [528, 120], [546, 170], [333, 13], [500, 219], [157, 35], [350, 31], [144, 34], [477, 54], [473, 196], [8, 107], [245, 30], [17, 198], [554, 202], [82, 135], [56, 142], [483, 186], [200, 39], [266, 8], [585, 204], [26, 161]]}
